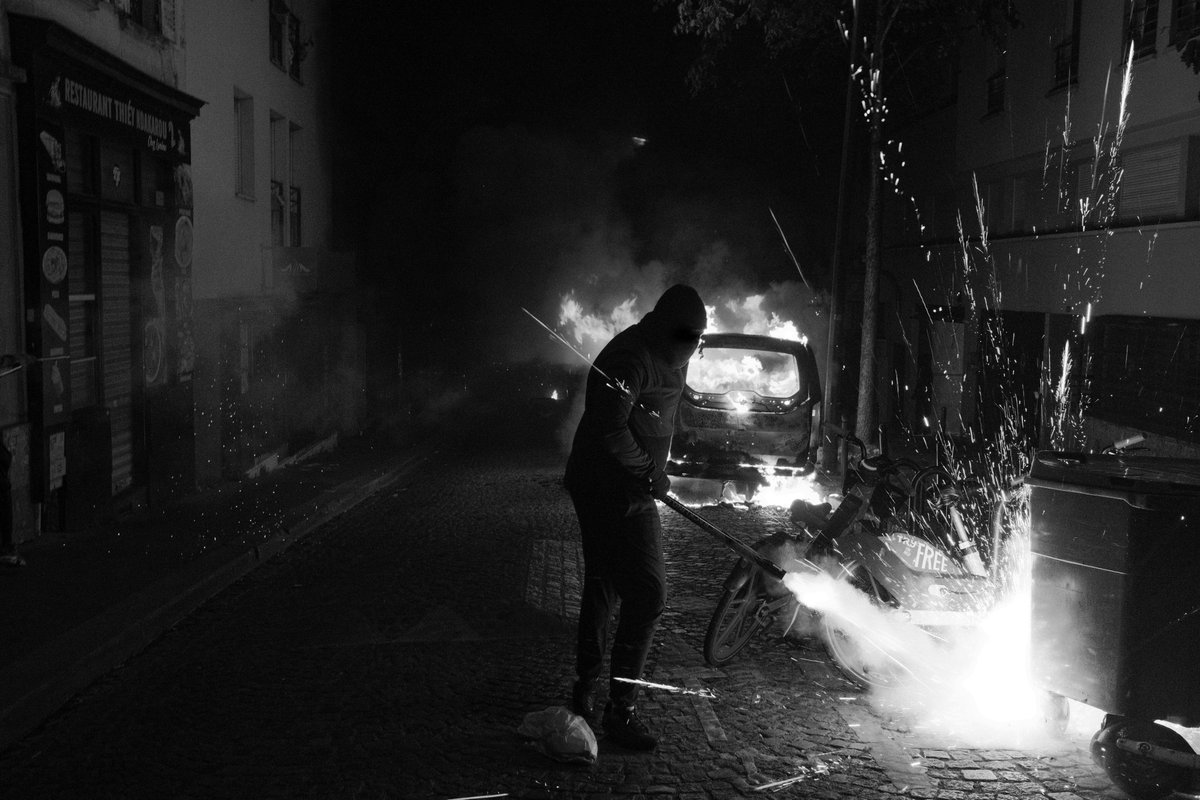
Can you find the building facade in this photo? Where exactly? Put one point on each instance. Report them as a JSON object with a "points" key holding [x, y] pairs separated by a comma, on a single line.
{"points": [[1071, 159], [279, 354], [139, 343], [99, 201]]}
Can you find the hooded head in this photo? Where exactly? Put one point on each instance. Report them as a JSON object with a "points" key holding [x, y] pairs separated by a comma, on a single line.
{"points": [[676, 324]]}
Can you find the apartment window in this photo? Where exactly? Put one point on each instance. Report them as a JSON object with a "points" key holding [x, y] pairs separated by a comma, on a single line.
{"points": [[295, 48], [995, 91], [278, 15], [243, 114], [1154, 181], [294, 194], [147, 13], [1066, 63], [1017, 203], [1141, 27], [1185, 21], [279, 176], [286, 48], [294, 216], [1064, 31], [278, 222]]}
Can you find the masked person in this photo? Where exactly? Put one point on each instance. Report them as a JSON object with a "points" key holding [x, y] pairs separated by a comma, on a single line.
{"points": [[614, 473]]}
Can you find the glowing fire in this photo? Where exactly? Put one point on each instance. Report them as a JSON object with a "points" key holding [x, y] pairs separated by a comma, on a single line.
{"points": [[740, 374], [973, 683], [593, 327], [554, 394], [783, 490]]}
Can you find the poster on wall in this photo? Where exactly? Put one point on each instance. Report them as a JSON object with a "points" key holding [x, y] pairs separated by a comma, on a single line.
{"points": [[49, 314], [185, 344]]}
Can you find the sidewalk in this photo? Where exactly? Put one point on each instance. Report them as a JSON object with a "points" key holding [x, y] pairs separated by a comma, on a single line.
{"points": [[87, 601]]}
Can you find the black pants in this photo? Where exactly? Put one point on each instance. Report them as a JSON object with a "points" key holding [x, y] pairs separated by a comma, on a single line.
{"points": [[6, 514], [622, 559]]}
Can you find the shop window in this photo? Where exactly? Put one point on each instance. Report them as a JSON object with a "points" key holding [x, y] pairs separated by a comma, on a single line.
{"points": [[158, 181], [1141, 27], [1145, 373], [81, 163], [81, 324], [117, 176], [243, 111]]}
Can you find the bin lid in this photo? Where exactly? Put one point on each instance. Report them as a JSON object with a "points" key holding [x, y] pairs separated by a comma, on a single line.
{"points": [[1125, 473]]}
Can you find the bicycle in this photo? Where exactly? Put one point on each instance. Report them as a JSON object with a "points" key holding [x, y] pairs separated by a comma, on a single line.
{"points": [[904, 535]]}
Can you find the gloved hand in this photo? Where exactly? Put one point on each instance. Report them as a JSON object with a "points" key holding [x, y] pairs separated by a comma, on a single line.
{"points": [[660, 486]]}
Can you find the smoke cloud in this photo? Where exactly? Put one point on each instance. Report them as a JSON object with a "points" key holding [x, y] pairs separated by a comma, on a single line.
{"points": [[551, 221]]}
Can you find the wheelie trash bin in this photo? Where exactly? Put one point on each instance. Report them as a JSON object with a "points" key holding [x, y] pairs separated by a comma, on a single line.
{"points": [[1115, 543]]}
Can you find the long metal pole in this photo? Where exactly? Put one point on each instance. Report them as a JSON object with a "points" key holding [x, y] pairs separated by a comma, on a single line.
{"points": [[737, 545], [835, 306]]}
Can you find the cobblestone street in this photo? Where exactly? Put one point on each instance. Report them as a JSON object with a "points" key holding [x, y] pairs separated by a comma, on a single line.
{"points": [[394, 652]]}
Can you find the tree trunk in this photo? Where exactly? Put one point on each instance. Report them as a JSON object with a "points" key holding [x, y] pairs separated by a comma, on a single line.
{"points": [[865, 420]]}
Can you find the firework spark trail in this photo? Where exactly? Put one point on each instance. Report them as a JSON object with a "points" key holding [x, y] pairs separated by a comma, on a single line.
{"points": [[706, 693], [886, 634], [788, 247], [612, 382]]}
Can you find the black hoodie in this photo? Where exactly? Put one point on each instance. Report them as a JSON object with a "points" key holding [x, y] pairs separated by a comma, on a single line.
{"points": [[632, 395]]}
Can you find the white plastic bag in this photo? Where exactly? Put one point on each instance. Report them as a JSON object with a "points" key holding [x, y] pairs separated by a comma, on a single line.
{"points": [[559, 734]]}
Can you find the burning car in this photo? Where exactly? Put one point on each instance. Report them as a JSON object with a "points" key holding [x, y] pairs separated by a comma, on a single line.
{"points": [[749, 418]]}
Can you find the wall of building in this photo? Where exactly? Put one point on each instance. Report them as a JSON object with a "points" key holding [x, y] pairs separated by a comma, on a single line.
{"points": [[277, 335], [228, 54], [1162, 91], [1057, 241]]}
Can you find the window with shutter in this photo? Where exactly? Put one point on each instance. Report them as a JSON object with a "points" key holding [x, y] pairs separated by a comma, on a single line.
{"points": [[1151, 186]]}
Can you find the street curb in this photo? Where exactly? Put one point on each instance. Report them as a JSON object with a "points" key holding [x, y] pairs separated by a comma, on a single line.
{"points": [[42, 682]]}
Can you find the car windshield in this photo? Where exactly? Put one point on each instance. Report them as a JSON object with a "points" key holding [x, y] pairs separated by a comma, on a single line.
{"points": [[717, 370]]}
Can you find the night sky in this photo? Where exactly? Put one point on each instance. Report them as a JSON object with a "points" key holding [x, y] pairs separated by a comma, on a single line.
{"points": [[488, 163]]}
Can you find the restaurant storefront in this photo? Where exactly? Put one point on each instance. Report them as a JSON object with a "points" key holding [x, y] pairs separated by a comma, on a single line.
{"points": [[106, 198]]}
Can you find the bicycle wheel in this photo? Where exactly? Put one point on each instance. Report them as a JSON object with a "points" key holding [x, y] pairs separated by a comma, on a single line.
{"points": [[864, 663], [736, 619]]}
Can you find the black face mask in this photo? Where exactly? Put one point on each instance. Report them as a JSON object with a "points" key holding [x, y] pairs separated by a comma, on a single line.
{"points": [[682, 344]]}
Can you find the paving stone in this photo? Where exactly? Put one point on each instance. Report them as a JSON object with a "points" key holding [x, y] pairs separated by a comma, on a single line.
{"points": [[978, 775], [312, 648]]}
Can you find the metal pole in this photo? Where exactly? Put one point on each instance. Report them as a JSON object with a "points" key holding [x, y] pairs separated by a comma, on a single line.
{"points": [[835, 310], [737, 545]]}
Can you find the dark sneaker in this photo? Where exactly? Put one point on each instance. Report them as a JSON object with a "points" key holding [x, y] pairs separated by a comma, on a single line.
{"points": [[623, 726], [581, 699]]}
